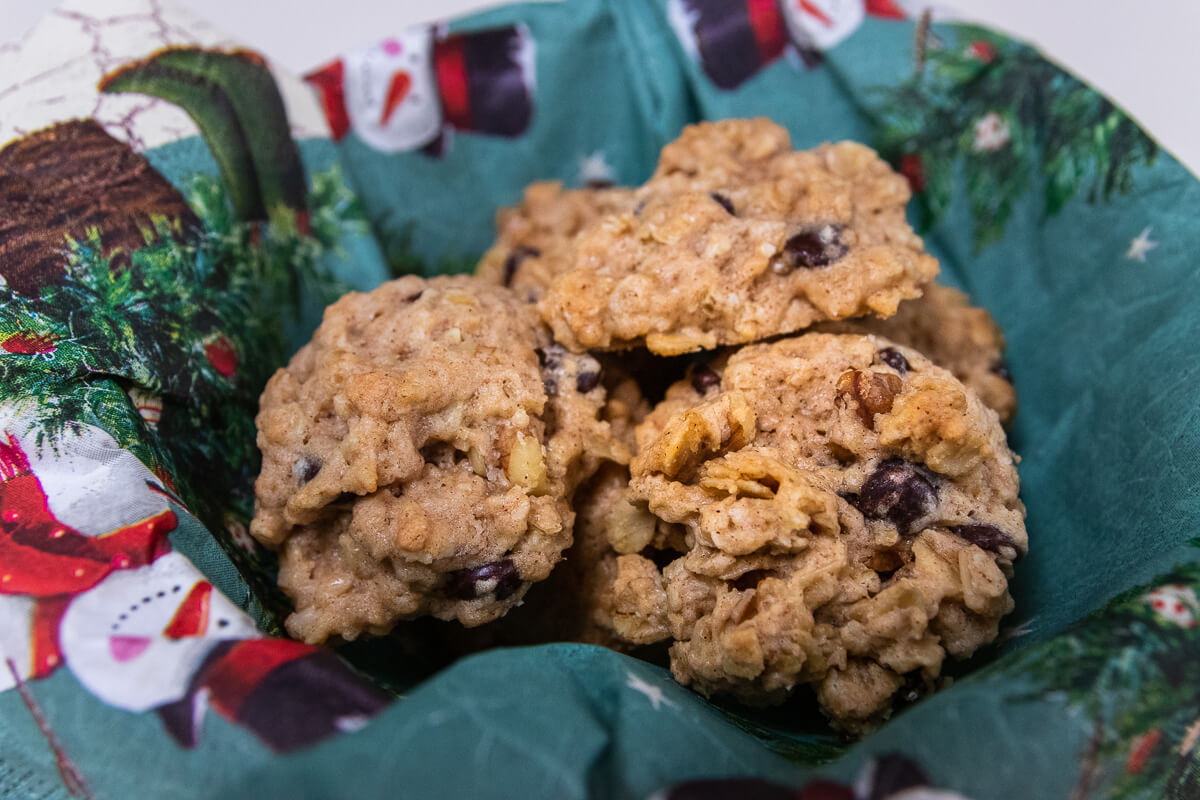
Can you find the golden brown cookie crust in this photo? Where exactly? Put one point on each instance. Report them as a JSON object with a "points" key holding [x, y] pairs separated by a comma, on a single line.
{"points": [[418, 457], [533, 238], [576, 603], [944, 326], [736, 238], [848, 524]]}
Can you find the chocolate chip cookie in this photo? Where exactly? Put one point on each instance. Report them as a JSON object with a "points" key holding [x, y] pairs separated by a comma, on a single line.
{"points": [[419, 454], [952, 333], [533, 239], [575, 603], [851, 518], [737, 238]]}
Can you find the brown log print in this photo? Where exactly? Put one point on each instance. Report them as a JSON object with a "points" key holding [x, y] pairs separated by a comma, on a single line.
{"points": [[67, 179]]}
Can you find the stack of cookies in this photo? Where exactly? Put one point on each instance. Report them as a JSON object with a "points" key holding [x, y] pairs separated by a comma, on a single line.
{"points": [[822, 495]]}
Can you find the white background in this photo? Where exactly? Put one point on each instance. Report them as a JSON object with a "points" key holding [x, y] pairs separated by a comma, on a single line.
{"points": [[1142, 53]]}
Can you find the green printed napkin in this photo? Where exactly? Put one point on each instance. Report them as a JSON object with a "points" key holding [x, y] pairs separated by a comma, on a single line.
{"points": [[175, 213]]}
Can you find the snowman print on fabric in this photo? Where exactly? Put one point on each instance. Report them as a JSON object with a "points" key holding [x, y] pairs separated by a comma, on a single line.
{"points": [[58, 538], [88, 581], [410, 91], [1175, 603], [733, 40], [137, 638]]}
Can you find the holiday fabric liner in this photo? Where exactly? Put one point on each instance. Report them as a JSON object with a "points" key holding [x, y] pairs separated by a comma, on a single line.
{"points": [[175, 212]]}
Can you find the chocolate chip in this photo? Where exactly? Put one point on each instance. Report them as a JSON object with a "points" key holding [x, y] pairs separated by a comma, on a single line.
{"points": [[466, 584], [703, 378], [598, 183], [813, 247], [894, 359], [1000, 370], [518, 254], [550, 357], [412, 298], [551, 386], [891, 773], [897, 491], [586, 381], [723, 201], [306, 469], [988, 537]]}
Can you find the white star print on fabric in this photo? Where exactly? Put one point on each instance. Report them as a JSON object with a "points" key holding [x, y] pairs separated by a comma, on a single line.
{"points": [[653, 693], [1140, 245], [594, 168]]}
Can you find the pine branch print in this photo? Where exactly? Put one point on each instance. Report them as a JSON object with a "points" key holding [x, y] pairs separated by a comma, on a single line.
{"points": [[1005, 116]]}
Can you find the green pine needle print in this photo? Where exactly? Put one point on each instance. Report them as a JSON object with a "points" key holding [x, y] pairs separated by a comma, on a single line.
{"points": [[1132, 671], [1013, 123], [178, 325]]}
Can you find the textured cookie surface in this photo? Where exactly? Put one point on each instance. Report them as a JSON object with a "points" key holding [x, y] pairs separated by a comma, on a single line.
{"points": [[849, 521], [736, 238], [418, 457], [944, 326], [533, 239], [575, 604]]}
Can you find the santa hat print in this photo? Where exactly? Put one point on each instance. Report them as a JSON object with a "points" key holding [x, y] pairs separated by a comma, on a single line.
{"points": [[404, 92], [41, 554]]}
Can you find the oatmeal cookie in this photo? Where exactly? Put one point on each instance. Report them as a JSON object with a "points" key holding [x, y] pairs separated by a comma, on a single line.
{"points": [[736, 238], [575, 604], [850, 520], [944, 326], [533, 238], [419, 454]]}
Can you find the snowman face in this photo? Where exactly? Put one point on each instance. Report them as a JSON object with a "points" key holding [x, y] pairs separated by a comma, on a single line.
{"points": [[391, 92], [136, 639], [821, 23], [1174, 603]]}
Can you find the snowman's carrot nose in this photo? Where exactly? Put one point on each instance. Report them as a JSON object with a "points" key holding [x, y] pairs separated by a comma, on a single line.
{"points": [[191, 619], [397, 90]]}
